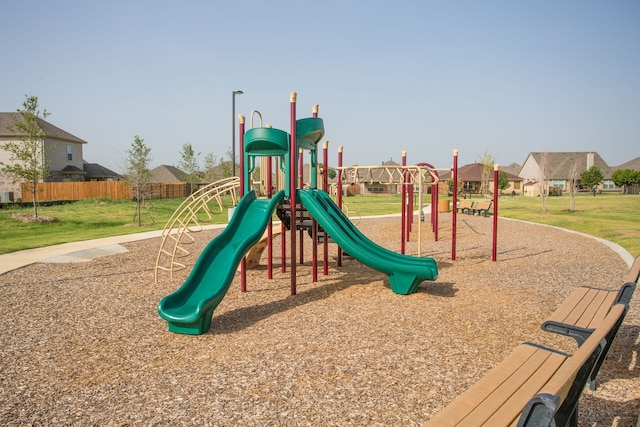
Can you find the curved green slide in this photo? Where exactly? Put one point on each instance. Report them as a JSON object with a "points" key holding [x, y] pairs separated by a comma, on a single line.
{"points": [[189, 309], [405, 272]]}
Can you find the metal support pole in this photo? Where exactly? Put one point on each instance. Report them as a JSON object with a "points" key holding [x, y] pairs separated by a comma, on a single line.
{"points": [[243, 262], [403, 197], [494, 253], [340, 195], [454, 220], [270, 229], [293, 150], [325, 183], [233, 130]]}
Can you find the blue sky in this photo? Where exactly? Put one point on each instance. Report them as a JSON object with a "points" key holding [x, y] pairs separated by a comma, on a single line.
{"points": [[502, 77]]}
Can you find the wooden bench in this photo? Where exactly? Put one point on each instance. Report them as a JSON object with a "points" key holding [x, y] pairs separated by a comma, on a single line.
{"points": [[464, 206], [482, 208], [586, 307], [533, 386]]}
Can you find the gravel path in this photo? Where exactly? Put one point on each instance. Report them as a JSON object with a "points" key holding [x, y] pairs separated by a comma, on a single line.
{"points": [[82, 344]]}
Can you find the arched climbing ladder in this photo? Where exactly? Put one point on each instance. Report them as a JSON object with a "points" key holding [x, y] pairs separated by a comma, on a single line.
{"points": [[189, 218]]}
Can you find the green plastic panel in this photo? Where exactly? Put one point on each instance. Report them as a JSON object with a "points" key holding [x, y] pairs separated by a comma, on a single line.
{"points": [[309, 131], [405, 273], [189, 309], [266, 142]]}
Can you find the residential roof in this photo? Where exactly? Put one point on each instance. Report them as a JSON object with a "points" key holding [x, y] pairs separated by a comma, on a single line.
{"points": [[513, 168], [95, 171], [8, 121], [473, 173], [72, 169], [559, 164], [166, 173], [631, 164]]}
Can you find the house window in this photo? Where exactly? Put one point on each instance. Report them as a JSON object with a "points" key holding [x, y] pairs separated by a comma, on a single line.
{"points": [[69, 152], [558, 183], [516, 185], [607, 184]]}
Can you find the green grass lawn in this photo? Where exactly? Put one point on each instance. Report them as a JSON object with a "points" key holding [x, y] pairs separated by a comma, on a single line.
{"points": [[612, 217], [84, 220]]}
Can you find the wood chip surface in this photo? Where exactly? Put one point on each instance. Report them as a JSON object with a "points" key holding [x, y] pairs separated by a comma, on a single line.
{"points": [[82, 343]]}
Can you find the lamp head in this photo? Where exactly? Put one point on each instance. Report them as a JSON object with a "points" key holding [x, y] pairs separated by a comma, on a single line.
{"points": [[238, 92]]}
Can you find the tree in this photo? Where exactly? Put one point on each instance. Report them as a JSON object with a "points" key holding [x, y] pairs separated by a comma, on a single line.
{"points": [[137, 171], [542, 180], [28, 157], [573, 184], [210, 162], [503, 181], [487, 161], [591, 178], [227, 167], [625, 178], [189, 164]]}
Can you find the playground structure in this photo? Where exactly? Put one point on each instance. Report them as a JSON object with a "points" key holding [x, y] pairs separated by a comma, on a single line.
{"points": [[190, 308]]}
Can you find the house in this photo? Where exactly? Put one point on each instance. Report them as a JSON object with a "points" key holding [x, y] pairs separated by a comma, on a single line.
{"points": [[555, 170], [379, 180], [166, 174], [64, 156], [63, 150], [472, 180]]}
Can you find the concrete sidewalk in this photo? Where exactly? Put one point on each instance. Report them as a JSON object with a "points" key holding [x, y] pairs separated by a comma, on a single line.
{"points": [[82, 251], [72, 252]]}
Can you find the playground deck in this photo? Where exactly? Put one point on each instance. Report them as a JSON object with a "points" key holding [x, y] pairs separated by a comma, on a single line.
{"points": [[82, 343]]}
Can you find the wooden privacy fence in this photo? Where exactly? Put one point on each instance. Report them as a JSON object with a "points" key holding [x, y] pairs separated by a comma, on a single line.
{"points": [[115, 190]]}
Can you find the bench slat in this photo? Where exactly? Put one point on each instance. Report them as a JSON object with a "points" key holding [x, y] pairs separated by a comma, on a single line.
{"points": [[608, 300], [512, 403], [585, 309], [634, 271], [513, 377], [563, 312]]}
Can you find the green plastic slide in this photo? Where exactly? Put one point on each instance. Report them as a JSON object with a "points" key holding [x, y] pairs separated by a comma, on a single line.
{"points": [[189, 309], [405, 272]]}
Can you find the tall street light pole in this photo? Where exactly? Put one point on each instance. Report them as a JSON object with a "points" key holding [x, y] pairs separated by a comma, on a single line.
{"points": [[233, 130]]}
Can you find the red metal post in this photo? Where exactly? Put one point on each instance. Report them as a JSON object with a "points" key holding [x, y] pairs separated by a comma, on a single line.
{"points": [[403, 197], [339, 186], [300, 185], [270, 227], [434, 210], [454, 218], [283, 246], [243, 262], [409, 205], [494, 255], [314, 224], [434, 200], [325, 183], [293, 150]]}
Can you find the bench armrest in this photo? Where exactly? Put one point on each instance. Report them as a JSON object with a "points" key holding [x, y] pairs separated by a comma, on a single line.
{"points": [[576, 332]]}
